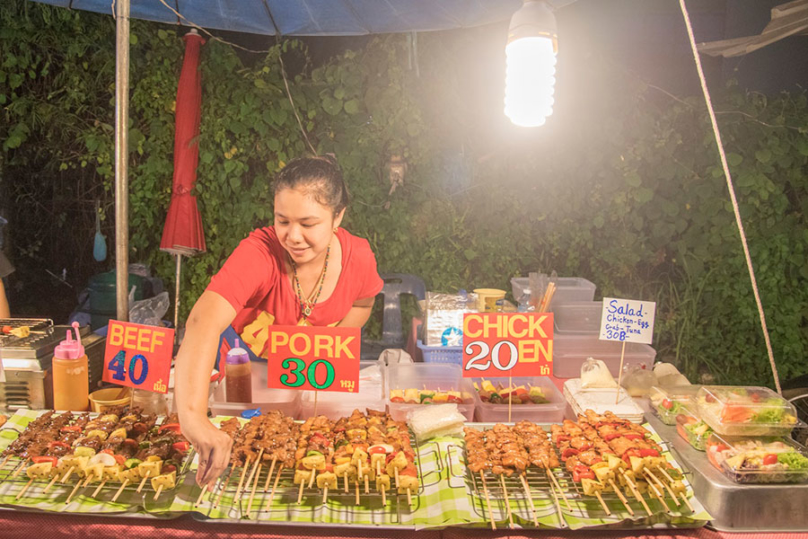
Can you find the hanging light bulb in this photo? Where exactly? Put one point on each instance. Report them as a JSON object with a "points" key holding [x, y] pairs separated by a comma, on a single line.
{"points": [[530, 64]]}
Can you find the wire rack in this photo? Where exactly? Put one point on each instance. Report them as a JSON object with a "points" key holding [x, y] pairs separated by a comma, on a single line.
{"points": [[286, 493], [539, 488]]}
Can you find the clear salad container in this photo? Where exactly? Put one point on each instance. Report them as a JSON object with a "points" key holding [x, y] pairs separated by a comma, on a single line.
{"points": [[411, 386], [535, 398], [692, 428], [746, 411], [668, 401], [746, 459]]}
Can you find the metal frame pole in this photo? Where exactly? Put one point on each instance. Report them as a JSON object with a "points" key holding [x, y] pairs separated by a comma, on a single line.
{"points": [[122, 157], [177, 296]]}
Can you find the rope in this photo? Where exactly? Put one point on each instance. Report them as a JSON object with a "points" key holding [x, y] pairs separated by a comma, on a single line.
{"points": [[731, 189]]}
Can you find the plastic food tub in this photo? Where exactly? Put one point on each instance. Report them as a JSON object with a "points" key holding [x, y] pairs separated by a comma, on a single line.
{"points": [[580, 317], [336, 404], [441, 354], [746, 411], [568, 290], [570, 352], [668, 401], [549, 412], [427, 377], [693, 429], [265, 399], [758, 459]]}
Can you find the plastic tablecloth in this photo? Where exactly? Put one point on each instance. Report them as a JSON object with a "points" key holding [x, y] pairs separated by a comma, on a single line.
{"points": [[21, 525]]}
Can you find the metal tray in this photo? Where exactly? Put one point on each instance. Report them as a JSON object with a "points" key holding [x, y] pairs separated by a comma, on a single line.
{"points": [[736, 507]]}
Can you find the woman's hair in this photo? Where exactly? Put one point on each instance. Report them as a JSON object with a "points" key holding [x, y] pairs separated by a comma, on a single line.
{"points": [[319, 175]]}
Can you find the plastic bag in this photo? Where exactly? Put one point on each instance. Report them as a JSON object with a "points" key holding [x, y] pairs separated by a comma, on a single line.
{"points": [[638, 380], [436, 420], [595, 375], [149, 312]]}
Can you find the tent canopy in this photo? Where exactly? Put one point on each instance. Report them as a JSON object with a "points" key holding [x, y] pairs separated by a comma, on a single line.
{"points": [[313, 17]]}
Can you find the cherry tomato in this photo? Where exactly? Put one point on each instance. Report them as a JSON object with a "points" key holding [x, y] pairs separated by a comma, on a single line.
{"points": [[771, 458], [7, 329], [667, 404]]}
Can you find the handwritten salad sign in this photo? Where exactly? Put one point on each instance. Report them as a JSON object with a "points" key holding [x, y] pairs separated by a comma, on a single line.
{"points": [[627, 320], [507, 344], [138, 356], [314, 358]]}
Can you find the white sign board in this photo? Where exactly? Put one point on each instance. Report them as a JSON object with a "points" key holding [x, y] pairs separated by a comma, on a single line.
{"points": [[627, 320]]}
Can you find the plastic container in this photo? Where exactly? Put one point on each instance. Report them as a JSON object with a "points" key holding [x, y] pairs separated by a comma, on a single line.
{"points": [[441, 354], [336, 404], [758, 460], [263, 398], [746, 411], [71, 378], [568, 290], [580, 317], [570, 352], [104, 399], [432, 377], [692, 428], [668, 401], [487, 299], [549, 412], [238, 375]]}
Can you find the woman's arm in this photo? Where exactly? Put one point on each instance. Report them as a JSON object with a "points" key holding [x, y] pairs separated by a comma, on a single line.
{"points": [[197, 355], [5, 312], [359, 313]]}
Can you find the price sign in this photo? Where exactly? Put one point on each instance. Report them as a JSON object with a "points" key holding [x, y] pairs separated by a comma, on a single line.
{"points": [[507, 344], [138, 356], [314, 358], [627, 320]]}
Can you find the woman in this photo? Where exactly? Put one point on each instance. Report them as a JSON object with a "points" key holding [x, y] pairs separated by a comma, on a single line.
{"points": [[303, 270]]}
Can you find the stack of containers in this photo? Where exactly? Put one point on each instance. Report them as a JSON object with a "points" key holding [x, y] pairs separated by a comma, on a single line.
{"points": [[750, 442]]}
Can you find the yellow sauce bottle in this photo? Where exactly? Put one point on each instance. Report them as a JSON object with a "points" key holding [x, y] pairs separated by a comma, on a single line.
{"points": [[71, 382]]}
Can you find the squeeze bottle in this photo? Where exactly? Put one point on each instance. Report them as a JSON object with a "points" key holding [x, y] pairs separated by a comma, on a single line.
{"points": [[71, 384], [238, 375]]}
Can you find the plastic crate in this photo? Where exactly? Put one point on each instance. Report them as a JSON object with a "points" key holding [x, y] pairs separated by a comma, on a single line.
{"points": [[441, 354]]}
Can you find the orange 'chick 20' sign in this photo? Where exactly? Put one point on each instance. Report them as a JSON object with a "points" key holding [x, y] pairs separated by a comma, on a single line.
{"points": [[507, 344]]}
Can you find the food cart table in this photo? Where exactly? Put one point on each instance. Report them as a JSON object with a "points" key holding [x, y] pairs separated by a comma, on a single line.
{"points": [[24, 525]]}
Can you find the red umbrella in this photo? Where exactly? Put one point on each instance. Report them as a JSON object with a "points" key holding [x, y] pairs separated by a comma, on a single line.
{"points": [[183, 234]]}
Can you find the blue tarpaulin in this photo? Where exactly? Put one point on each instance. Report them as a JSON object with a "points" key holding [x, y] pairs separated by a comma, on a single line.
{"points": [[313, 17]]}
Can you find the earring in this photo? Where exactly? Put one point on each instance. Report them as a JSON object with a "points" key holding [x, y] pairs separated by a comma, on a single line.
{"points": [[335, 229]]}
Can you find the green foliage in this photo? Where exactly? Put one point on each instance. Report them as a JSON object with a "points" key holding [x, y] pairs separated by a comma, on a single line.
{"points": [[635, 201]]}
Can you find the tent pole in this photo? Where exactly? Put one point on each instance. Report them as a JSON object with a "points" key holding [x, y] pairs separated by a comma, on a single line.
{"points": [[177, 296], [121, 158]]}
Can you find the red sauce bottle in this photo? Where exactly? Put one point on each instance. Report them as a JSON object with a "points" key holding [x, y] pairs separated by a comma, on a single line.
{"points": [[238, 375]]}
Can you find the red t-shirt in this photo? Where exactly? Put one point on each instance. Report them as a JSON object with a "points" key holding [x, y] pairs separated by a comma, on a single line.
{"points": [[255, 282]]}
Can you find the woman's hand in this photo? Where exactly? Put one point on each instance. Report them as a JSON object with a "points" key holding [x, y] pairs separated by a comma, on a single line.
{"points": [[213, 447]]}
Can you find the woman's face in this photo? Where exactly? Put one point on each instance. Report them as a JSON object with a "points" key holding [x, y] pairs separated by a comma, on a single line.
{"points": [[304, 226]]}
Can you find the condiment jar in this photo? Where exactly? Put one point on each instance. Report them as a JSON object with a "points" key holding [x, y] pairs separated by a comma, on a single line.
{"points": [[71, 382], [238, 375]]}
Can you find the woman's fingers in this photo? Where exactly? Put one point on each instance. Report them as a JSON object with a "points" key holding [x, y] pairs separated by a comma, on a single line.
{"points": [[217, 455]]}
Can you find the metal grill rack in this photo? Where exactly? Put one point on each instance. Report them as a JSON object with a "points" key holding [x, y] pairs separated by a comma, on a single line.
{"points": [[540, 486], [287, 492], [41, 333]]}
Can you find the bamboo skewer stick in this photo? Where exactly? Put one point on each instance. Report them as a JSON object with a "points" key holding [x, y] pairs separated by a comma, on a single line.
{"points": [[98, 488], [123, 486], [67, 474], [665, 474], [529, 499], [5, 460], [22, 491], [252, 472], [346, 483], [241, 479], [325, 493], [409, 498], [636, 493], [395, 472], [687, 503], [655, 491], [507, 500], [157, 494], [367, 488], [384, 494], [269, 475], [555, 482], [52, 482], [201, 495], [622, 498], [357, 492], [19, 470], [78, 486], [145, 477], [664, 486], [254, 488], [488, 501], [300, 491], [602, 503], [311, 478], [224, 488], [558, 505], [274, 488]]}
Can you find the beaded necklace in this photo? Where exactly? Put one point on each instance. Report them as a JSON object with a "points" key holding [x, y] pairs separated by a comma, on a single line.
{"points": [[306, 305]]}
